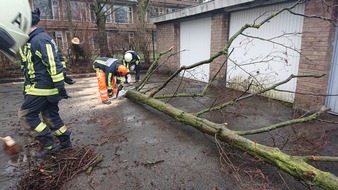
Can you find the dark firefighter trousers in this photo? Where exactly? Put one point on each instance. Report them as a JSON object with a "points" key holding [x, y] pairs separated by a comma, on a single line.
{"points": [[52, 122]]}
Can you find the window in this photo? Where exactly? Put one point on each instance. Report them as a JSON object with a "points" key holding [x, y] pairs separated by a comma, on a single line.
{"points": [[171, 10], [78, 11], [68, 38], [92, 13], [48, 8], [157, 11], [123, 15], [131, 38], [160, 11], [107, 11], [59, 39]]}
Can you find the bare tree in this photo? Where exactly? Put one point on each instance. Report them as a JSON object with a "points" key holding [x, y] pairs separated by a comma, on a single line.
{"points": [[143, 34], [101, 9], [297, 166], [69, 18]]}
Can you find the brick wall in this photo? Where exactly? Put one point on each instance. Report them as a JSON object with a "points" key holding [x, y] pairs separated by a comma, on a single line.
{"points": [[219, 38], [9, 69], [168, 36], [317, 40]]}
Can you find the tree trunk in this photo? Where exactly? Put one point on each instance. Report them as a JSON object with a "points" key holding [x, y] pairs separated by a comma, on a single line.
{"points": [[295, 166], [101, 25], [70, 20]]}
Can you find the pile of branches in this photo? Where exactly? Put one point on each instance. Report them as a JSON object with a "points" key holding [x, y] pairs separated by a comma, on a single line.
{"points": [[53, 171]]}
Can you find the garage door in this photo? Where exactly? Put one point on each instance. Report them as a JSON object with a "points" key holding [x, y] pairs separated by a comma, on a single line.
{"points": [[266, 61], [195, 39], [332, 101]]}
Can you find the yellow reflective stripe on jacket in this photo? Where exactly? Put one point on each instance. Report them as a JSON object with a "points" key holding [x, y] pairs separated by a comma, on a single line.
{"points": [[119, 78], [109, 80], [101, 62], [26, 88], [30, 65], [23, 57], [51, 60], [40, 127], [42, 92], [63, 64], [60, 131], [48, 147], [37, 53], [138, 60], [57, 78]]}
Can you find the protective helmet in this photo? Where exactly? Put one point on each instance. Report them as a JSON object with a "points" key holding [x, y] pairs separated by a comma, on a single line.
{"points": [[122, 70], [75, 41], [35, 17], [128, 57], [15, 22]]}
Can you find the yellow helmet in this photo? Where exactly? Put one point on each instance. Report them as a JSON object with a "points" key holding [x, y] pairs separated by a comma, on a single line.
{"points": [[122, 70]]}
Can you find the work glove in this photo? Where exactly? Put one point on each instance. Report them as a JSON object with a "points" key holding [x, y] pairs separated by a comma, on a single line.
{"points": [[68, 80], [63, 93], [132, 67], [110, 93]]}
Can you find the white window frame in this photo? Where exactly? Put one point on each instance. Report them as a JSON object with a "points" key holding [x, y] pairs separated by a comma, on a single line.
{"points": [[108, 13], [54, 6], [58, 34], [130, 14], [81, 19], [131, 38]]}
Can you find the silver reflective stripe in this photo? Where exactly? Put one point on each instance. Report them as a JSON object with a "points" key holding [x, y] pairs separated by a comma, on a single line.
{"points": [[110, 61]]}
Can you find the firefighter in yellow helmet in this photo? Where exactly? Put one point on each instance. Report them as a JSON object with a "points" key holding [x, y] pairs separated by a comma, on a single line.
{"points": [[109, 72]]}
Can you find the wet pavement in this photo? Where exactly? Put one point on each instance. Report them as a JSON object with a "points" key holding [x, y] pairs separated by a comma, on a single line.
{"points": [[146, 149]]}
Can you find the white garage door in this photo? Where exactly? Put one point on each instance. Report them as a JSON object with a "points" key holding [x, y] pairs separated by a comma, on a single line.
{"points": [[261, 60], [195, 39], [332, 101]]}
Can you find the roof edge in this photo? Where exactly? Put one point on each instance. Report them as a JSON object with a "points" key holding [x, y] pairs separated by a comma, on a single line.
{"points": [[198, 9]]}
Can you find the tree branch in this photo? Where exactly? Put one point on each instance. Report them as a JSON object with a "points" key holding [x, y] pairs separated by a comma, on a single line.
{"points": [[234, 101], [285, 123]]}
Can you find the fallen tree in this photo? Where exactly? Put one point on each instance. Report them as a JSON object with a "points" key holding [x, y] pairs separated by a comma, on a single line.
{"points": [[294, 165], [297, 166]]}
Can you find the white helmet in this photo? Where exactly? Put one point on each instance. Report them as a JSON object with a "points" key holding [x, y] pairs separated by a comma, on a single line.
{"points": [[15, 22], [128, 57]]}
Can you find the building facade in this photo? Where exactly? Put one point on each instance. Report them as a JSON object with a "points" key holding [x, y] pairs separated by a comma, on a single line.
{"points": [[121, 21], [301, 46], [79, 20]]}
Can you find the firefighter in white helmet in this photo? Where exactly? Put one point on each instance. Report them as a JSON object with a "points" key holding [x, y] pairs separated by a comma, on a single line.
{"points": [[131, 60], [15, 22]]}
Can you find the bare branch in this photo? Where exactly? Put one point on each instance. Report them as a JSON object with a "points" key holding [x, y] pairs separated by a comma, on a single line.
{"points": [[318, 158], [254, 94], [285, 123]]}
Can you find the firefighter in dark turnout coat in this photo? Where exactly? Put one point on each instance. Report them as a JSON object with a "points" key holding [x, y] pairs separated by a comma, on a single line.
{"points": [[109, 72], [132, 61], [43, 89]]}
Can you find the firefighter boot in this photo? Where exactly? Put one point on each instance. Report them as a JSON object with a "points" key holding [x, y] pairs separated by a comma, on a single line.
{"points": [[65, 141], [48, 146]]}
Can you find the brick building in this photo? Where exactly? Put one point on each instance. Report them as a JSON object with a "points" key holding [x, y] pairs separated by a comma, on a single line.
{"points": [[307, 46], [121, 26]]}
